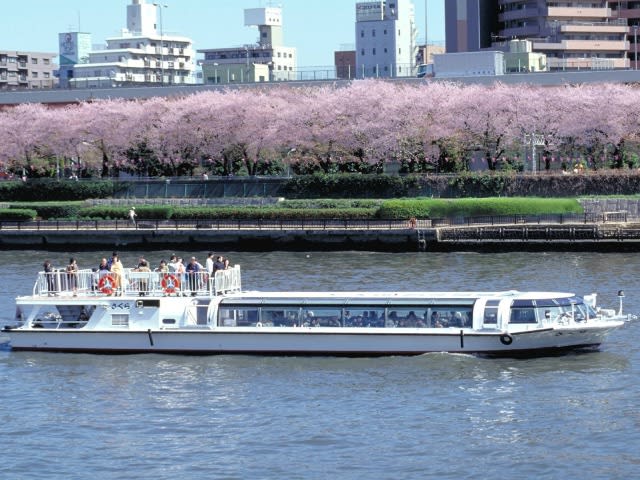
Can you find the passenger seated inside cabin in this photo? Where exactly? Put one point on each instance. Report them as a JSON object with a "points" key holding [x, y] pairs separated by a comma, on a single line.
{"points": [[436, 322], [412, 319]]}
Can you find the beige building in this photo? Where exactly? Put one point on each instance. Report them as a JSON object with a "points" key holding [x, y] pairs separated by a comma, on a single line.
{"points": [[27, 70]]}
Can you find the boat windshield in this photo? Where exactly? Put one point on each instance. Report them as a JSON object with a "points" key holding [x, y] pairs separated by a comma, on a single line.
{"points": [[550, 310]]}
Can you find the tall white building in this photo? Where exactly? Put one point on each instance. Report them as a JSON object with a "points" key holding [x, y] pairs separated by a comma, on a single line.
{"points": [[386, 34], [142, 54], [267, 60]]}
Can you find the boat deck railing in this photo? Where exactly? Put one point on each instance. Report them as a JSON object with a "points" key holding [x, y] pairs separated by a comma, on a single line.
{"points": [[138, 283]]}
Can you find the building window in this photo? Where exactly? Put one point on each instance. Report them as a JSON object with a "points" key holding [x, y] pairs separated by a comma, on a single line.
{"points": [[34, 74], [45, 61], [45, 74], [373, 51], [362, 52], [373, 32], [385, 31], [34, 61], [361, 33], [385, 50], [398, 32]]}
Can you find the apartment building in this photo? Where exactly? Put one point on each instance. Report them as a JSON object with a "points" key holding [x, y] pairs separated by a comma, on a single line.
{"points": [[629, 11], [143, 54], [267, 60], [27, 70], [386, 39], [572, 34]]}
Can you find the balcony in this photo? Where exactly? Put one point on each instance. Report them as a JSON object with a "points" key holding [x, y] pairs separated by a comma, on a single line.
{"points": [[519, 14], [578, 12], [583, 46], [588, 63]]}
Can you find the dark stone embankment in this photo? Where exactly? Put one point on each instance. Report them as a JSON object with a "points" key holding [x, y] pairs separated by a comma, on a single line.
{"points": [[566, 237]]}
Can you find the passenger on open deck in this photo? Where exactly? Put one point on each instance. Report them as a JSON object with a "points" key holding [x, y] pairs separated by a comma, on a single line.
{"points": [[143, 283], [117, 270], [49, 273]]}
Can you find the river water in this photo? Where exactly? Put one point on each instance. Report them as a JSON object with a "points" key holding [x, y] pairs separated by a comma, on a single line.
{"points": [[68, 416]]}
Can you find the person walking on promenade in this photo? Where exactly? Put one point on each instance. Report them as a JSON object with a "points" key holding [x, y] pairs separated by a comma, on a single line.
{"points": [[132, 216]]}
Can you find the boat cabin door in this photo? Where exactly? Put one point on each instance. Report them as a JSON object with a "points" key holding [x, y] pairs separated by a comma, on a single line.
{"points": [[197, 312]]}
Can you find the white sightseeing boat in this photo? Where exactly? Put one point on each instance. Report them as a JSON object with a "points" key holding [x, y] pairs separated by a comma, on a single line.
{"points": [[153, 312]]}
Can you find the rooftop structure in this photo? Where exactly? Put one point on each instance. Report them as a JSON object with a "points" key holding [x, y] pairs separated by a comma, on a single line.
{"points": [[267, 60]]}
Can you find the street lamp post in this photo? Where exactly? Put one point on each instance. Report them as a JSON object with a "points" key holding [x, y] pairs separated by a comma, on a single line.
{"points": [[534, 140], [635, 45], [161, 6]]}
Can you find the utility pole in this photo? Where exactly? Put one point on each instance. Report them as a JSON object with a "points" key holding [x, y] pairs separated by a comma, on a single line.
{"points": [[161, 6]]}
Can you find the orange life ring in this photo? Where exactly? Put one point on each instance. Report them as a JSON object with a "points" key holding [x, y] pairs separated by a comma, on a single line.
{"points": [[170, 283], [107, 284]]}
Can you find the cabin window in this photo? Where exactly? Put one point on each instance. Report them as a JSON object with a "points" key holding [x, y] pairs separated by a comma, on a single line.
{"points": [[491, 312], [523, 311], [321, 316], [281, 316], [448, 316], [238, 317], [363, 317]]}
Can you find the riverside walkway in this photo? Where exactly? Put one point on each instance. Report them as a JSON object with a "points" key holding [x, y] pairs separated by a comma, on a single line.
{"points": [[596, 231]]}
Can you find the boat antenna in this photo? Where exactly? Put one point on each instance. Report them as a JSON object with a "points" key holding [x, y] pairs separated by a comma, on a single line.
{"points": [[620, 297]]}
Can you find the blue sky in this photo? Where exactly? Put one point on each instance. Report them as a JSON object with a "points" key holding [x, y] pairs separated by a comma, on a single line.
{"points": [[315, 27]]}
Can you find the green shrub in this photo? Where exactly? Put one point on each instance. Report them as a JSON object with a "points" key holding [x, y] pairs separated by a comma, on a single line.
{"points": [[17, 215]]}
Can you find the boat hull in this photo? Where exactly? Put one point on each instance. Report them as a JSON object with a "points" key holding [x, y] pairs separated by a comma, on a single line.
{"points": [[312, 341]]}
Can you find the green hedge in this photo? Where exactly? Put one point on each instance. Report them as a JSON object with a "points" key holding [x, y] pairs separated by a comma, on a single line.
{"points": [[152, 212], [330, 203], [57, 190], [51, 210], [17, 215], [346, 186], [469, 207], [270, 213]]}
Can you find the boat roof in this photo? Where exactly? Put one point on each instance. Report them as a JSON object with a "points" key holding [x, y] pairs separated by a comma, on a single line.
{"points": [[362, 295]]}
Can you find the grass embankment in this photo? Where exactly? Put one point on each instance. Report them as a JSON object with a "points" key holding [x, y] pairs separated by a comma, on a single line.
{"points": [[474, 207], [421, 208]]}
